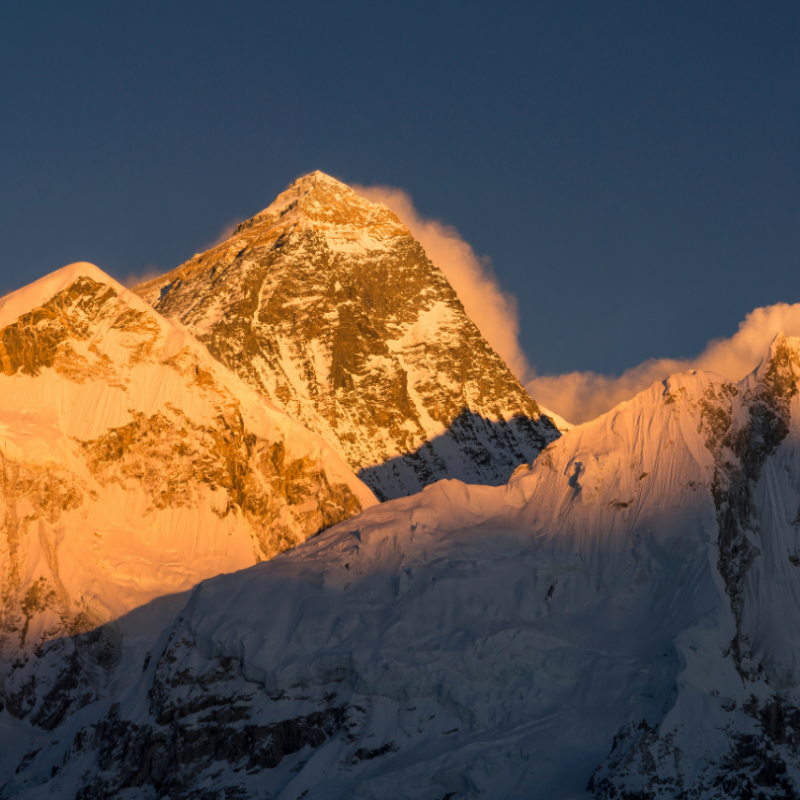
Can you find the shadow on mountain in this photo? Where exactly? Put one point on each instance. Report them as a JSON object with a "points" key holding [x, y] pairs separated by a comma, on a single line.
{"points": [[185, 709], [66, 673], [89, 663], [473, 449], [72, 671]]}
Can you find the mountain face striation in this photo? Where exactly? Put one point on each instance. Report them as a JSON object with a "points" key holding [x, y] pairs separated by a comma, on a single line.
{"points": [[621, 620], [132, 466], [326, 305]]}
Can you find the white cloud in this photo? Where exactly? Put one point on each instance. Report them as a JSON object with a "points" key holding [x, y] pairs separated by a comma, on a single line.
{"points": [[576, 396], [493, 310], [581, 396]]}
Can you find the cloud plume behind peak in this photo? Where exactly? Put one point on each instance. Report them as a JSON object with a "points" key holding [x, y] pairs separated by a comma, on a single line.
{"points": [[493, 310], [575, 396], [582, 396]]}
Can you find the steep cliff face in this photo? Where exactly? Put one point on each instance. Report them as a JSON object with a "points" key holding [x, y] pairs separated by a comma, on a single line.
{"points": [[734, 730], [620, 621], [329, 307], [132, 466]]}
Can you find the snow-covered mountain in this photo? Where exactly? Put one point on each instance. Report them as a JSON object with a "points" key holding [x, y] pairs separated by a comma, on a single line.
{"points": [[133, 466], [621, 620], [327, 305]]}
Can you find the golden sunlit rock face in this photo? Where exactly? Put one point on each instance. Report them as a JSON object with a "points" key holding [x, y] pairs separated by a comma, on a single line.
{"points": [[328, 306], [132, 465]]}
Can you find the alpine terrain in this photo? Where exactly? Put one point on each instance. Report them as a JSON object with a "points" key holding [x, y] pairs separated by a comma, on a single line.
{"points": [[621, 620], [132, 466], [326, 305]]}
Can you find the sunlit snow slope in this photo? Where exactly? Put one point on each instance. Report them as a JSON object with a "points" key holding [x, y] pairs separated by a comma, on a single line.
{"points": [[327, 305], [133, 465], [622, 620]]}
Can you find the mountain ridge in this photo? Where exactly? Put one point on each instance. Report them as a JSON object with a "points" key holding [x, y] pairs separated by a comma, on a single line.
{"points": [[326, 304], [589, 629], [132, 465]]}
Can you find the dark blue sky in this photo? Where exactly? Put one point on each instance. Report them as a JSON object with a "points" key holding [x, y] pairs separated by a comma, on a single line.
{"points": [[631, 168]]}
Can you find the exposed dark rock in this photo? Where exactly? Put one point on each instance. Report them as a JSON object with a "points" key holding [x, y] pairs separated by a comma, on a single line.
{"points": [[326, 331]]}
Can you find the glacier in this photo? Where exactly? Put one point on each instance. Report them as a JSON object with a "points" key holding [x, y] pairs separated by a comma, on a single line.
{"points": [[618, 621]]}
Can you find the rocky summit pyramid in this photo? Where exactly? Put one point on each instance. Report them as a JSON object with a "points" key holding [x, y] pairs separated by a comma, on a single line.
{"points": [[132, 466], [621, 620], [327, 305]]}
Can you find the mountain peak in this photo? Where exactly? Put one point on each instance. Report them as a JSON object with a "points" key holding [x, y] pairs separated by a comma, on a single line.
{"points": [[782, 343], [329, 206], [13, 305], [780, 363], [315, 183], [654, 549], [319, 177], [327, 305]]}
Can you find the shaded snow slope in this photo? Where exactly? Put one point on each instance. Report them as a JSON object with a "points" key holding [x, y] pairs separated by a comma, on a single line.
{"points": [[619, 621], [132, 465], [326, 304]]}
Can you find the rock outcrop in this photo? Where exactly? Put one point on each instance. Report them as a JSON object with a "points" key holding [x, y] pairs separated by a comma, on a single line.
{"points": [[327, 305], [132, 466]]}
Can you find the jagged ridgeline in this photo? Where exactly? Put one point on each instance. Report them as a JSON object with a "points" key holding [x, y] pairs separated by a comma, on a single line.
{"points": [[327, 305], [621, 621], [132, 465]]}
